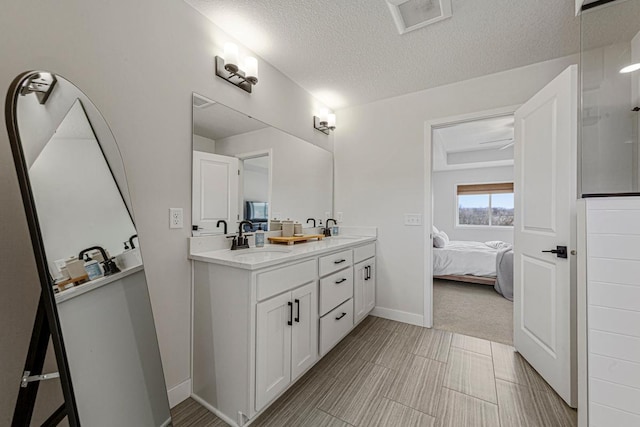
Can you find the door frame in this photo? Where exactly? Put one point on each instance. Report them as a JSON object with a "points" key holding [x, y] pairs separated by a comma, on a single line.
{"points": [[252, 155], [429, 126]]}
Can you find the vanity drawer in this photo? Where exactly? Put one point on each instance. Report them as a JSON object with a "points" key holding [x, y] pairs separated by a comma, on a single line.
{"points": [[335, 262], [364, 252], [335, 289], [282, 279], [335, 325]]}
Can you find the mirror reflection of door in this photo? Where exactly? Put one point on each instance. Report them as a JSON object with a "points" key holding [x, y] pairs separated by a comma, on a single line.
{"points": [[281, 176]]}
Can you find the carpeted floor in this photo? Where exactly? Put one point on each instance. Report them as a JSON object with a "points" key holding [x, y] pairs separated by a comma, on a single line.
{"points": [[475, 310]]}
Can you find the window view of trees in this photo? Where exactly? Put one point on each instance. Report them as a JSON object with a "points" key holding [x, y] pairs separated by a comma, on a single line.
{"points": [[486, 209]]}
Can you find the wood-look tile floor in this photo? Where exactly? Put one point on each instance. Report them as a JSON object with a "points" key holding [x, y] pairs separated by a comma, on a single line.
{"points": [[387, 373]]}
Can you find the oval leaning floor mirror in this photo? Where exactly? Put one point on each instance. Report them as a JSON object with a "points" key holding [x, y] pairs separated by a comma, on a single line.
{"points": [[94, 304]]}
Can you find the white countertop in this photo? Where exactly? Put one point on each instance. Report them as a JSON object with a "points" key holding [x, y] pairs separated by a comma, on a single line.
{"points": [[274, 254], [94, 284]]}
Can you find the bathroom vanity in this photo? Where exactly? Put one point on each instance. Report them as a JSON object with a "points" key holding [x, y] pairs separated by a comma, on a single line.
{"points": [[263, 316]]}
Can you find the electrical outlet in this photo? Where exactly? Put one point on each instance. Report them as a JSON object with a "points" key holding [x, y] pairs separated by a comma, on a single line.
{"points": [[413, 219], [339, 216], [176, 218]]}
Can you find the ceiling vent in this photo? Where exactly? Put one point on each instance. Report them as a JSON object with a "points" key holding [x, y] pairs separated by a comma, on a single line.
{"points": [[201, 101], [410, 15]]}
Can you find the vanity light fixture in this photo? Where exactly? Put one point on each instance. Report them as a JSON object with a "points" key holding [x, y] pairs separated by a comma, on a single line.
{"points": [[41, 84], [228, 69], [630, 68], [326, 122]]}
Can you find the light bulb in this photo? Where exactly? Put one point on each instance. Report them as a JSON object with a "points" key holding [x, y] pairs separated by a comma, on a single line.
{"points": [[331, 121], [251, 69], [231, 57]]}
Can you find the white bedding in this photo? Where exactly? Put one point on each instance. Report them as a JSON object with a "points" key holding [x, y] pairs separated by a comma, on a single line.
{"points": [[467, 258]]}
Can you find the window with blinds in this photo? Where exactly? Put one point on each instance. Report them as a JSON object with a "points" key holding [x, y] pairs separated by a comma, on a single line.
{"points": [[488, 205]]}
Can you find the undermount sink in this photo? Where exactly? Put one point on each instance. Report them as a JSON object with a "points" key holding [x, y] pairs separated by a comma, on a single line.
{"points": [[344, 237]]}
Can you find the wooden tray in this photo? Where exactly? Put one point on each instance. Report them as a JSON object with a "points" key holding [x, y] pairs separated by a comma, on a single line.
{"points": [[292, 240]]}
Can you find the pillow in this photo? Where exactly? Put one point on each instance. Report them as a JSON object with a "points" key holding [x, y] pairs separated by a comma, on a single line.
{"points": [[445, 237], [434, 230], [439, 241]]}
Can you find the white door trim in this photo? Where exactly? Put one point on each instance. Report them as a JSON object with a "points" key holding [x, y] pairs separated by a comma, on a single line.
{"points": [[428, 194], [252, 155]]}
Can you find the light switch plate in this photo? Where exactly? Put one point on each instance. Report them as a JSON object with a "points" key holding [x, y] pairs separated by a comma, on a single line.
{"points": [[413, 219], [176, 218]]}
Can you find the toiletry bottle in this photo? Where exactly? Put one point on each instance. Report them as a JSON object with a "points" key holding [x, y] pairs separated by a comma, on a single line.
{"points": [[259, 237], [92, 267]]}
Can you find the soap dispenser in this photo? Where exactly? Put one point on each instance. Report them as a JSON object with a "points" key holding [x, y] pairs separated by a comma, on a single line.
{"points": [[259, 237]]}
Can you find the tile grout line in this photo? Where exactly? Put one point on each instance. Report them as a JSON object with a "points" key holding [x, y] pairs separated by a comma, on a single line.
{"points": [[495, 382]]}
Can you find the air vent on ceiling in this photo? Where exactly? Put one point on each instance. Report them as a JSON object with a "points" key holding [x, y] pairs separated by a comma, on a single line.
{"points": [[410, 15], [201, 101]]}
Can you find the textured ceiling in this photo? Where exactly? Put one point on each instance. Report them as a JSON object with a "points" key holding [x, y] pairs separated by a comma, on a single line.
{"points": [[348, 52]]}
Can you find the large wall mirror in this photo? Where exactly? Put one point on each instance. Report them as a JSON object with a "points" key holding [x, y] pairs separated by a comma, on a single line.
{"points": [[244, 169], [94, 288]]}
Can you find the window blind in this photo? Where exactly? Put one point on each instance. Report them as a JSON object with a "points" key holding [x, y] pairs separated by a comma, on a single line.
{"points": [[503, 187]]}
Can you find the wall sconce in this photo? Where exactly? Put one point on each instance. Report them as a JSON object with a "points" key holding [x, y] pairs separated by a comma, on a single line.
{"points": [[326, 122], [227, 68]]}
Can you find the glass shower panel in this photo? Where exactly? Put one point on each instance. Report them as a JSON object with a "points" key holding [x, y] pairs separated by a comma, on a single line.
{"points": [[610, 42]]}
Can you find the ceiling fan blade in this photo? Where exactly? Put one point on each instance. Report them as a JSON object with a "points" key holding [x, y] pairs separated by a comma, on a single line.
{"points": [[495, 140], [507, 146]]}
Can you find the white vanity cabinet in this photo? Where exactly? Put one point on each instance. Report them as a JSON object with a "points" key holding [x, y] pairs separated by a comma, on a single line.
{"points": [[286, 340], [262, 318], [364, 284]]}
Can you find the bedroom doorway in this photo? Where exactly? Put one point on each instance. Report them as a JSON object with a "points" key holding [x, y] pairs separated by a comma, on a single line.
{"points": [[472, 210]]}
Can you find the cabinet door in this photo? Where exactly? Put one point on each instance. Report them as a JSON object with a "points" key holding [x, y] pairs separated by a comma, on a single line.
{"points": [[359, 298], [273, 348], [370, 286], [304, 333]]}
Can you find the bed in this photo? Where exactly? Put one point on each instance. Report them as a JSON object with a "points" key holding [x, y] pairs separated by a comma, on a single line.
{"points": [[488, 263]]}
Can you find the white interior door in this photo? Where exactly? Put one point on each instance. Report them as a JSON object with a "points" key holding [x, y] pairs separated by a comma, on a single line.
{"points": [[215, 191], [545, 196]]}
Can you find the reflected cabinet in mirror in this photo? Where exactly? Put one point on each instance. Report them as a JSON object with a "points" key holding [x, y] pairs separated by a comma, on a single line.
{"points": [[77, 203], [246, 170]]}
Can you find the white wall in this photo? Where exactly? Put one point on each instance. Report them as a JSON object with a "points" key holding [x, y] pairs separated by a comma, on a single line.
{"points": [[302, 174], [139, 62], [380, 169], [445, 202]]}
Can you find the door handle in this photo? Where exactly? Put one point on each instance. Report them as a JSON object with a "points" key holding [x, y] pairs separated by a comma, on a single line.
{"points": [[340, 261], [290, 321], [297, 319], [341, 316], [560, 251], [340, 281]]}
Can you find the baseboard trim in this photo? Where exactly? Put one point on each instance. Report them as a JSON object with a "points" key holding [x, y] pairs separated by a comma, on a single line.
{"points": [[399, 316], [217, 413], [179, 393]]}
